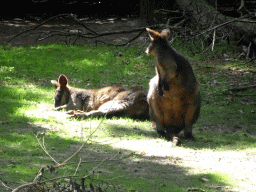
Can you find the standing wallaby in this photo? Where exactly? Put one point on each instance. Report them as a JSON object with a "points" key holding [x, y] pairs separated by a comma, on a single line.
{"points": [[109, 101], [174, 96]]}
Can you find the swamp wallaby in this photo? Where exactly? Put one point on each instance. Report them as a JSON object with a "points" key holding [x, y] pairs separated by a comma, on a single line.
{"points": [[109, 101], [174, 96]]}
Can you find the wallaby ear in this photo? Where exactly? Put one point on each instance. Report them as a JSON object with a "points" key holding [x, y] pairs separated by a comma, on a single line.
{"points": [[55, 84], [154, 35], [165, 34], [63, 81]]}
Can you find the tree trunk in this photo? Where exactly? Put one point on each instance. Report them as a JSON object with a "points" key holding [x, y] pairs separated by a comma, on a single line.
{"points": [[147, 11], [204, 16]]}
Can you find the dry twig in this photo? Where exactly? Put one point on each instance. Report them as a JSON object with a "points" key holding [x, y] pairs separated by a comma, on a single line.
{"points": [[3, 183], [43, 147]]}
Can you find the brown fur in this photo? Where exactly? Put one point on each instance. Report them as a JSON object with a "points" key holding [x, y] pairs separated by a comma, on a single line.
{"points": [[174, 96], [108, 101]]}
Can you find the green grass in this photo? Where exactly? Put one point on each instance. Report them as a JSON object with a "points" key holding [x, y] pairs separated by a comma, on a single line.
{"points": [[227, 122]]}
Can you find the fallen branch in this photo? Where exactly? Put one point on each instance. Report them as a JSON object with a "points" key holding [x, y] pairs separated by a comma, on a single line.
{"points": [[86, 32], [43, 147], [240, 88], [34, 184], [226, 23], [233, 91], [3, 183], [124, 44], [80, 34], [50, 19], [37, 183]]}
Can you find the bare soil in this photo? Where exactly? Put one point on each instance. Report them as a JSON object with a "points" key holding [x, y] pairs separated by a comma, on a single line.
{"points": [[10, 28]]}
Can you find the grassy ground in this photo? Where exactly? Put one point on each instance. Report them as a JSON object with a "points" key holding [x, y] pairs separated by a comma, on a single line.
{"points": [[124, 153]]}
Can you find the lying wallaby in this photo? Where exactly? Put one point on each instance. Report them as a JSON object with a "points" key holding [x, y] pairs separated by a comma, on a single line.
{"points": [[109, 101], [174, 96]]}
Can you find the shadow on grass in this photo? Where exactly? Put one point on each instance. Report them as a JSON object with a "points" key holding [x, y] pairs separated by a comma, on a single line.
{"points": [[14, 102], [221, 141], [131, 129], [22, 157], [204, 139]]}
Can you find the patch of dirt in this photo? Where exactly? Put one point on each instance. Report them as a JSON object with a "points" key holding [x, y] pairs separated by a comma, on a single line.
{"points": [[10, 28]]}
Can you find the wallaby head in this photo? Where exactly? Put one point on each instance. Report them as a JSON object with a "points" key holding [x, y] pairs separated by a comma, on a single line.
{"points": [[156, 39], [62, 92], [165, 64]]}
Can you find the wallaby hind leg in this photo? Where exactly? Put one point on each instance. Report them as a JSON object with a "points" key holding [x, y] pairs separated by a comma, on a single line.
{"points": [[188, 132], [159, 129], [91, 114], [156, 124], [109, 109], [116, 108], [160, 132], [190, 118]]}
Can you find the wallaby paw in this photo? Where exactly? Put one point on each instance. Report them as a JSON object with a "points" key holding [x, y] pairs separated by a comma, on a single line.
{"points": [[176, 141]]}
